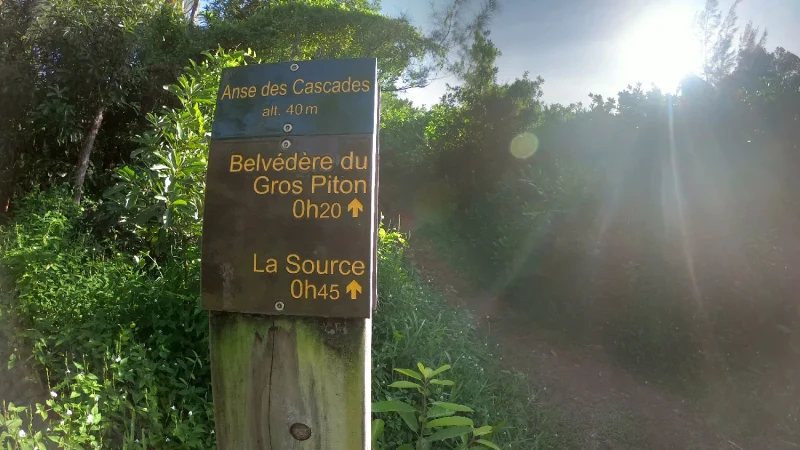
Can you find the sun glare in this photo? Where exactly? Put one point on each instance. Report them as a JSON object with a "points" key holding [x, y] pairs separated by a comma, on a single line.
{"points": [[659, 48]]}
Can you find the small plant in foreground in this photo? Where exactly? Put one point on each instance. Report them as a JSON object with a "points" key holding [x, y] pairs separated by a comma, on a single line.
{"points": [[432, 421]]}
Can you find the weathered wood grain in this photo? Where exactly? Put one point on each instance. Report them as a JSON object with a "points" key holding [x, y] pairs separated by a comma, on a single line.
{"points": [[272, 373]]}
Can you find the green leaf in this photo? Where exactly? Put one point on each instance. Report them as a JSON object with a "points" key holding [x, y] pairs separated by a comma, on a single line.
{"points": [[489, 444], [453, 406], [449, 433], [377, 431], [438, 411], [392, 406], [482, 430], [148, 213], [453, 421], [14, 424], [410, 418], [114, 190], [406, 447], [441, 369], [404, 385], [443, 382], [410, 373]]}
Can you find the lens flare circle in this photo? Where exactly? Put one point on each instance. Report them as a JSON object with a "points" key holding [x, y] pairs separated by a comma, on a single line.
{"points": [[524, 145]]}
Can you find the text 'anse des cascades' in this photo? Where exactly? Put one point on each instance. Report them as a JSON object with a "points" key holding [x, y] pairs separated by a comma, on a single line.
{"points": [[299, 86]]}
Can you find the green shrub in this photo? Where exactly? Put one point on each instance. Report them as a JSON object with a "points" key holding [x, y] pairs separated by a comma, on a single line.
{"points": [[431, 420], [122, 341], [415, 323], [123, 344]]}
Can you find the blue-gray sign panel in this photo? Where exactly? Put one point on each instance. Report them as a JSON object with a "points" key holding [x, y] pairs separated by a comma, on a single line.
{"points": [[319, 97]]}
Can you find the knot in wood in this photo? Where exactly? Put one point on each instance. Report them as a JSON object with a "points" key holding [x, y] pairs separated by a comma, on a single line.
{"points": [[300, 431]]}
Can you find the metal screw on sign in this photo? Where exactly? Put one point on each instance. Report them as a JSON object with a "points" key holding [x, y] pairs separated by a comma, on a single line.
{"points": [[279, 306], [286, 144], [287, 128], [294, 67]]}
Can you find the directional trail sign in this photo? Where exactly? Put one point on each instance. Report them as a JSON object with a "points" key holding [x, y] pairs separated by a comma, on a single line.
{"points": [[290, 214]]}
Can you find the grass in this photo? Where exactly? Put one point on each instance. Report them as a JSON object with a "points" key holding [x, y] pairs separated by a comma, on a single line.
{"points": [[414, 322], [123, 344]]}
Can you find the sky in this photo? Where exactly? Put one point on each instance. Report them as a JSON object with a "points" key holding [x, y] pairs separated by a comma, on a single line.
{"points": [[600, 46]]}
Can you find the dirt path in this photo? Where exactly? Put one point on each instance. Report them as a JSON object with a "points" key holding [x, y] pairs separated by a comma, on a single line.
{"points": [[610, 408], [18, 383]]}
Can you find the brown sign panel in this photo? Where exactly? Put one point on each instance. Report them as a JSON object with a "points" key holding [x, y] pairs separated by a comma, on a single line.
{"points": [[290, 226]]}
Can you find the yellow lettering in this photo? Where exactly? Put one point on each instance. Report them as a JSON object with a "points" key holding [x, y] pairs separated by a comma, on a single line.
{"points": [[261, 185], [236, 163], [227, 93], [251, 91], [294, 86], [304, 163], [326, 162], [249, 164], [365, 86], [270, 266], [337, 87], [356, 86], [275, 89], [291, 264], [358, 268], [317, 181], [344, 267]]}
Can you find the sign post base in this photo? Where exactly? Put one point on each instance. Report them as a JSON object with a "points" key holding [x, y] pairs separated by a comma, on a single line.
{"points": [[276, 380]]}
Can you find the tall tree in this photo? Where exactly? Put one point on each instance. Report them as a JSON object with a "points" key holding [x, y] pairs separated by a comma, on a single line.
{"points": [[717, 38], [16, 87], [88, 53], [707, 22]]}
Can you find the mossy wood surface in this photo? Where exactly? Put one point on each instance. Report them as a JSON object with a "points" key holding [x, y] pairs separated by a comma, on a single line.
{"points": [[269, 373]]}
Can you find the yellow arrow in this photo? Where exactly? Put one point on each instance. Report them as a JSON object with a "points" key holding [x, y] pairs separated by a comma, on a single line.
{"points": [[353, 289], [355, 207]]}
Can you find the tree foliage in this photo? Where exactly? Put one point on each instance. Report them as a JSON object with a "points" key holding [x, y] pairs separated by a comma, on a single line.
{"points": [[663, 226]]}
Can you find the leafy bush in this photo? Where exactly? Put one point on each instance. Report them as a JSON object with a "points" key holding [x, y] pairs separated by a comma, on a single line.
{"points": [[122, 341], [431, 421], [123, 344], [159, 197], [415, 323]]}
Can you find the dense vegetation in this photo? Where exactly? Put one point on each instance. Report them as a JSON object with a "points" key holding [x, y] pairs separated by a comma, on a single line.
{"points": [[661, 226], [103, 179]]}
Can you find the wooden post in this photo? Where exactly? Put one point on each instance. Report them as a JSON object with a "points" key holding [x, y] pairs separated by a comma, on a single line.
{"points": [[290, 383], [290, 254]]}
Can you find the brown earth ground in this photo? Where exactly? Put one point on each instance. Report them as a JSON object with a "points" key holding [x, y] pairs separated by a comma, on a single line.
{"points": [[608, 407], [19, 384]]}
